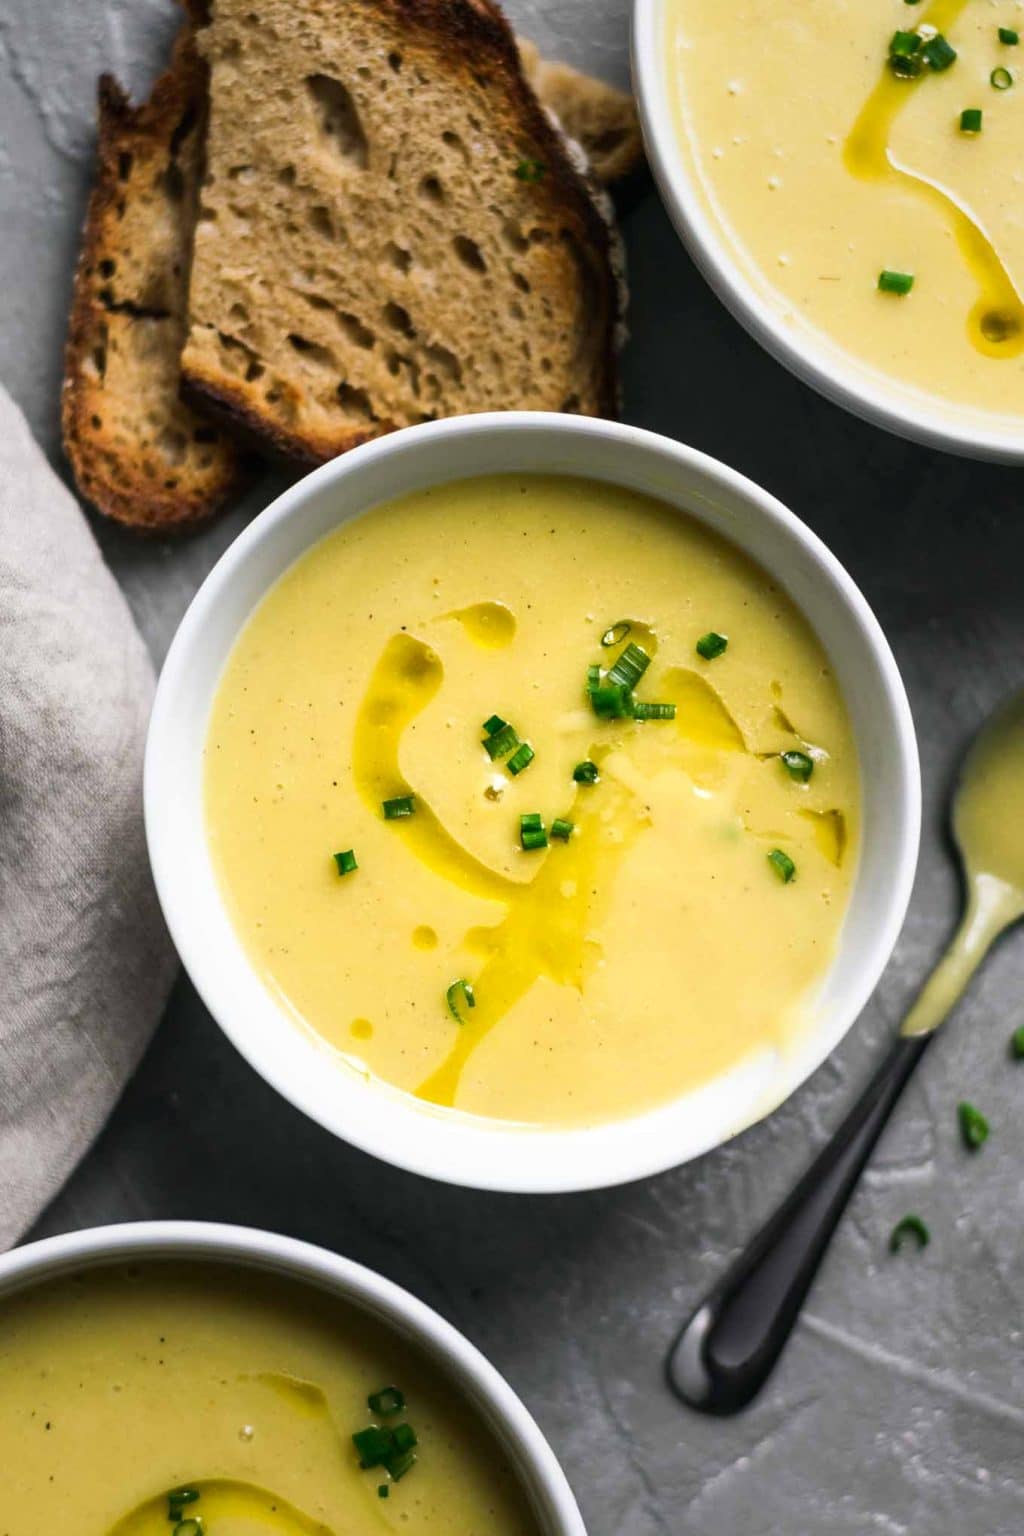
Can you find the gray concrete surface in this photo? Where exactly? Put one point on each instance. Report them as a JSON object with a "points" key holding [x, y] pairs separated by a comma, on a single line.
{"points": [[899, 1406]]}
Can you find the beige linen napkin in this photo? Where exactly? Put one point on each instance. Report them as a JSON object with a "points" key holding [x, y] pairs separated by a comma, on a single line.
{"points": [[85, 962]]}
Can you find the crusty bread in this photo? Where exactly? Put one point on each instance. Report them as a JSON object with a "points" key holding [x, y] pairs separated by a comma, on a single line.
{"points": [[137, 452], [390, 229], [601, 119]]}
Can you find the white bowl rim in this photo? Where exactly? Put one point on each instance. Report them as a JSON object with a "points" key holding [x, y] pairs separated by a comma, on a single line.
{"points": [[508, 1420], [573, 1159], [817, 365]]}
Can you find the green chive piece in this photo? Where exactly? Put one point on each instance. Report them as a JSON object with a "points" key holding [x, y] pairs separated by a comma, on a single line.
{"points": [[531, 832], [644, 711], [373, 1446], [905, 68], [593, 677], [403, 1437], [1017, 1043], [974, 1127], [612, 701], [711, 645], [1000, 79], [530, 170], [630, 667], [909, 1226], [190, 1527], [586, 772], [346, 862], [177, 1499], [939, 52], [493, 724], [387, 1401], [782, 864], [521, 758], [903, 45], [399, 808], [616, 634], [561, 828], [383, 1491], [895, 282], [970, 120], [398, 1466], [798, 765], [501, 742], [460, 992], [1009, 36]]}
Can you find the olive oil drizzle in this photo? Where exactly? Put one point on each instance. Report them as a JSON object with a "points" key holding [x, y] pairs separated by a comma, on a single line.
{"points": [[995, 325]]}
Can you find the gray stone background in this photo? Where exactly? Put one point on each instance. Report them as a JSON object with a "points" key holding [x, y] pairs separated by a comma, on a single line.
{"points": [[899, 1405]]}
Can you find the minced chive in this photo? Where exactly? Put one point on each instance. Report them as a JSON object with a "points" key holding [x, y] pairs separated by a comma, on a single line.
{"points": [[1017, 1043], [593, 677], [403, 1437], [905, 68], [530, 170], [190, 1527], [398, 1466], [939, 52], [798, 765], [612, 701], [711, 645], [383, 1491], [970, 120], [387, 1401], [782, 864], [177, 1499], [373, 1446], [644, 711], [521, 758], [903, 45], [909, 1226], [501, 742], [346, 862], [1000, 79], [531, 832], [460, 991], [895, 282], [630, 667], [493, 724], [1009, 36], [398, 808], [586, 772], [616, 634], [974, 1127], [561, 828]]}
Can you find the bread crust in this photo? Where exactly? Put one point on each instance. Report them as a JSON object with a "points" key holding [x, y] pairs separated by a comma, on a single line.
{"points": [[124, 306], [474, 40]]}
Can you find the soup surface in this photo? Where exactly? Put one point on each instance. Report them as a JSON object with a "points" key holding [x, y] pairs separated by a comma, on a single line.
{"points": [[120, 1388], [824, 167], [653, 946]]}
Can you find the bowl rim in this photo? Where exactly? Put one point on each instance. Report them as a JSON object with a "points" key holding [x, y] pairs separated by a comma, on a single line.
{"points": [[816, 365], [508, 1420], [569, 1159]]}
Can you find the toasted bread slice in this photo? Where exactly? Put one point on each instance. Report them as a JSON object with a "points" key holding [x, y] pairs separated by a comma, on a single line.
{"points": [[390, 228], [137, 452], [601, 119]]}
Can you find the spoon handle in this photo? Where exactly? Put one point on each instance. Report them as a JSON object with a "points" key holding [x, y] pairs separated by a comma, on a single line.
{"points": [[727, 1350]]}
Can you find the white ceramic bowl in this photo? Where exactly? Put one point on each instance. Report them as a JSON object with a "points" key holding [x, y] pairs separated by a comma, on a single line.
{"points": [[473, 1378], [805, 351], [396, 1126]]}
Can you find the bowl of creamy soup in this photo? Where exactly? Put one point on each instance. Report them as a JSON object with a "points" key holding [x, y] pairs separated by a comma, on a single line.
{"points": [[532, 800], [186, 1379], [847, 179]]}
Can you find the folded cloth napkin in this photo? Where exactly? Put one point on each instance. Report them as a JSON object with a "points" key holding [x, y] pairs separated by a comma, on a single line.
{"points": [[85, 962]]}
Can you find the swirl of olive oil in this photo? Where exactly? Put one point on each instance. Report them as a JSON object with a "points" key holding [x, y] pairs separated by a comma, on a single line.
{"points": [[995, 325]]}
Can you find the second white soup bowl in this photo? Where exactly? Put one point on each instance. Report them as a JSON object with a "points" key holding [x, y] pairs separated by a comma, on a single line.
{"points": [[371, 1114]]}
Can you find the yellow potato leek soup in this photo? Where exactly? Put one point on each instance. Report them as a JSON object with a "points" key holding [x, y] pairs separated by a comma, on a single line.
{"points": [[206, 1401], [863, 163], [534, 798]]}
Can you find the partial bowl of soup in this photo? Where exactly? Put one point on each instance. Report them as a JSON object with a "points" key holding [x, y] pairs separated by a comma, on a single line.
{"points": [[188, 1379], [532, 800], [846, 178]]}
